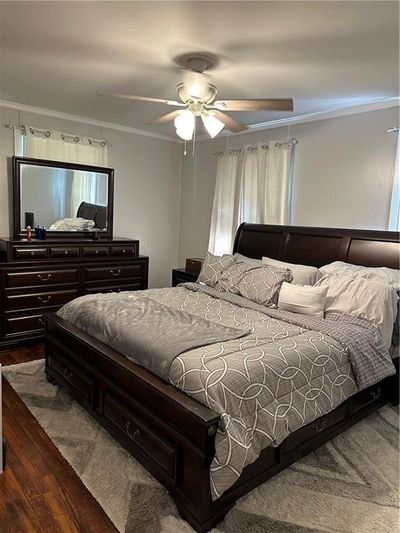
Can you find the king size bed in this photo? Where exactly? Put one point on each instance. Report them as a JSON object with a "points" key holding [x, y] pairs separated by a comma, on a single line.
{"points": [[214, 420]]}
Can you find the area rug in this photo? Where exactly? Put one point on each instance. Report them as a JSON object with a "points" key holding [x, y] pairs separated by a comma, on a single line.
{"points": [[350, 484]]}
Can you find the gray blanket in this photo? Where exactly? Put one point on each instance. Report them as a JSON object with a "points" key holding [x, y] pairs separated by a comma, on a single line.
{"points": [[149, 333]]}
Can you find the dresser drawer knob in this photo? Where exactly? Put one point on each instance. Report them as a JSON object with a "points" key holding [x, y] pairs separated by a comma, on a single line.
{"points": [[375, 393], [67, 373], [319, 425], [128, 431], [44, 299], [115, 273], [65, 252], [43, 277], [41, 321]]}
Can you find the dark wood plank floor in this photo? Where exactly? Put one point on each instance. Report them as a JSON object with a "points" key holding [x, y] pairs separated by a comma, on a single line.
{"points": [[39, 491]]}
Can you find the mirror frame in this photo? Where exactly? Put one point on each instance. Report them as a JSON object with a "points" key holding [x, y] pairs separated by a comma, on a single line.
{"points": [[19, 232]]}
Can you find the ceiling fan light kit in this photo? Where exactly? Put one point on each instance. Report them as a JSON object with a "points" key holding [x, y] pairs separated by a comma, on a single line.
{"points": [[198, 95], [184, 124]]}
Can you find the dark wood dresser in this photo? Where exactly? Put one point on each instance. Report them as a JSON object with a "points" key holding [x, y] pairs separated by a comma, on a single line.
{"points": [[40, 276]]}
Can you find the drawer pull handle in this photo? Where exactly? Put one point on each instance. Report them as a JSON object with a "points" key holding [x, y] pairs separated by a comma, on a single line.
{"points": [[67, 373], [65, 252], [44, 299], [96, 251], [375, 393], [319, 425], [43, 277], [115, 273], [41, 321], [133, 435]]}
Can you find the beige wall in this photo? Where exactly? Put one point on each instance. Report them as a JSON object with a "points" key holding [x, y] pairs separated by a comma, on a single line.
{"points": [[343, 175], [147, 187]]}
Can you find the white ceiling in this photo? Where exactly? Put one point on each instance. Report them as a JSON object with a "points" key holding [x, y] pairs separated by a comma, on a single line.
{"points": [[325, 55]]}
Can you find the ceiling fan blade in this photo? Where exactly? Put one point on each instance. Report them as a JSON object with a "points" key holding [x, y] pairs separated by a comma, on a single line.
{"points": [[165, 118], [141, 98], [265, 104], [230, 123]]}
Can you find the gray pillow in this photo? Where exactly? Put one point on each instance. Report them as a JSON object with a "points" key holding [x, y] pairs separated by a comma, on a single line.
{"points": [[213, 267], [258, 284]]}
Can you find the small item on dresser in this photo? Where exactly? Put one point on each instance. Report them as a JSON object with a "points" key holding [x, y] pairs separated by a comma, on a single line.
{"points": [[29, 219], [37, 232], [194, 264], [28, 233], [42, 233]]}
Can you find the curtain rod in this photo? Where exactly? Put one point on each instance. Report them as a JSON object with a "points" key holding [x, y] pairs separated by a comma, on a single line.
{"points": [[75, 138], [264, 146]]}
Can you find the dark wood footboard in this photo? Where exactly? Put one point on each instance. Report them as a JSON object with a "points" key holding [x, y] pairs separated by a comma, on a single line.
{"points": [[171, 434]]}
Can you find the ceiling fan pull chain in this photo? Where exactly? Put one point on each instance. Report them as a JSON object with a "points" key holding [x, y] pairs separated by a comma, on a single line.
{"points": [[184, 147], [194, 139]]}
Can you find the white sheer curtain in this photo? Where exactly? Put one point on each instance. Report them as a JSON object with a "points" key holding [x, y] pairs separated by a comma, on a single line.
{"points": [[59, 146], [252, 185], [51, 144], [394, 217], [225, 208]]}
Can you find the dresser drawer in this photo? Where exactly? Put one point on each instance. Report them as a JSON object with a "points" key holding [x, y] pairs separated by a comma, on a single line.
{"points": [[308, 432], [366, 398], [64, 251], [142, 434], [114, 272], [124, 251], [42, 277], [42, 299], [22, 324], [95, 251], [30, 252], [79, 382], [132, 286]]}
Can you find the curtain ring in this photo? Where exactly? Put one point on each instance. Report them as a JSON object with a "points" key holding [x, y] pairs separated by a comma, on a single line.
{"points": [[264, 146], [76, 139], [47, 133], [103, 144]]}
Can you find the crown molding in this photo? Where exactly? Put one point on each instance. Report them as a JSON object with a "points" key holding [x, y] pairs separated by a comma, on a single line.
{"points": [[85, 120], [373, 105]]}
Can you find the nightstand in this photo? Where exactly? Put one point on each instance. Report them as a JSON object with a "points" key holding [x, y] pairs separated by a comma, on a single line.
{"points": [[181, 275]]}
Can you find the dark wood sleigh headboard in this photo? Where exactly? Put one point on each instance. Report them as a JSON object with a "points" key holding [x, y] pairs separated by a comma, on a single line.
{"points": [[319, 246]]}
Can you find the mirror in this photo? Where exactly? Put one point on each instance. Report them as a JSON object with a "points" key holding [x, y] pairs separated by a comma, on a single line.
{"points": [[62, 197]]}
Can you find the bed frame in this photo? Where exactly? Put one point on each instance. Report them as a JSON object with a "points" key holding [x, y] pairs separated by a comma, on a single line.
{"points": [[171, 434]]}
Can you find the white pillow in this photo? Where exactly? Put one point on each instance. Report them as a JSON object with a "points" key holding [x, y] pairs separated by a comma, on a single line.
{"points": [[302, 274], [303, 299], [390, 276], [362, 298]]}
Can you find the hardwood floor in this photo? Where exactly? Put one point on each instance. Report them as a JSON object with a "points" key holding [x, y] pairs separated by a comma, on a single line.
{"points": [[39, 491]]}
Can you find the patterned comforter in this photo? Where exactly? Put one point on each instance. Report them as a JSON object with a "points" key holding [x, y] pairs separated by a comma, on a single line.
{"points": [[266, 385]]}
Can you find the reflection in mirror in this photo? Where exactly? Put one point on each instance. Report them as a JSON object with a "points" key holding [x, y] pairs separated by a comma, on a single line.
{"points": [[63, 199]]}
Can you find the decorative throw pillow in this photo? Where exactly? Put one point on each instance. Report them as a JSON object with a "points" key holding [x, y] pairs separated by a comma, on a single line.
{"points": [[258, 284], [363, 298], [303, 299], [213, 267], [302, 274]]}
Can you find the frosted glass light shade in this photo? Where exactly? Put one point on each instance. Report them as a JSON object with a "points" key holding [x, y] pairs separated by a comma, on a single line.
{"points": [[184, 124], [212, 125]]}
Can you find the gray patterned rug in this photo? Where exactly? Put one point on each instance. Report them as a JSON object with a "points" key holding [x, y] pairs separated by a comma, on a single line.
{"points": [[351, 484]]}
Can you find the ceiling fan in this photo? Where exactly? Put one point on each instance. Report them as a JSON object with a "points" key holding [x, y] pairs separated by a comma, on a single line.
{"points": [[197, 97]]}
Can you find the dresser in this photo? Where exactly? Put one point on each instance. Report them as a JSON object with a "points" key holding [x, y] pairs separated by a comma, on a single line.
{"points": [[39, 276]]}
